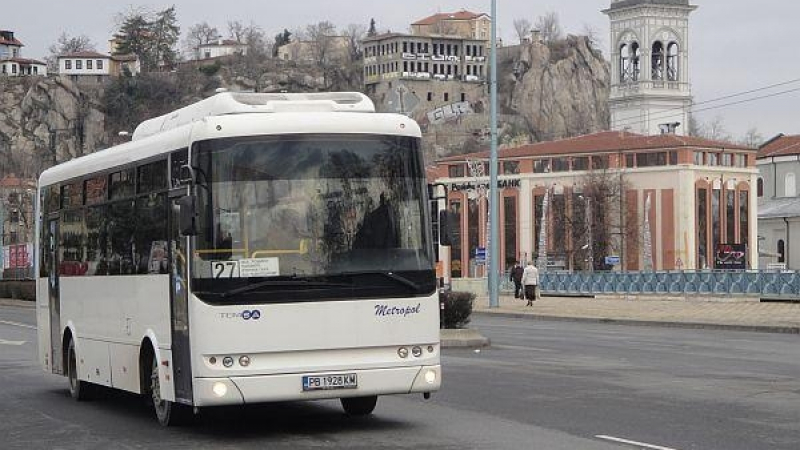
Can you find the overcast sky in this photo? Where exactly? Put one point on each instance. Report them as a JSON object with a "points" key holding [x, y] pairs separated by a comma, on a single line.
{"points": [[735, 45]]}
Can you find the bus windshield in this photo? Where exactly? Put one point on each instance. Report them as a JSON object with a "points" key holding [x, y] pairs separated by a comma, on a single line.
{"points": [[310, 217]]}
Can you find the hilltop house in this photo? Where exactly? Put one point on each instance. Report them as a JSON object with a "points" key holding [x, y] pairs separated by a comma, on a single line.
{"points": [[222, 47], [11, 61]]}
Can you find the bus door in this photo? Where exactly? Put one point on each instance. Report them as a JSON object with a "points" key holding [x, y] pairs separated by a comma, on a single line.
{"points": [[179, 293], [54, 298]]}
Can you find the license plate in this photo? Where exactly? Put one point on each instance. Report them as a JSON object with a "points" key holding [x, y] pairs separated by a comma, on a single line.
{"points": [[328, 382]]}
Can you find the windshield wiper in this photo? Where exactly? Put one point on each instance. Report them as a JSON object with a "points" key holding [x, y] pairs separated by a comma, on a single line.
{"points": [[391, 275], [295, 282]]}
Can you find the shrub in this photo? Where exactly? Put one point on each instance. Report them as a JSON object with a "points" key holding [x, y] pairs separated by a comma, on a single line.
{"points": [[457, 308], [211, 69]]}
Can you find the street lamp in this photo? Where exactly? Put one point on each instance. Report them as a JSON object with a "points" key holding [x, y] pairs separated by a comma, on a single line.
{"points": [[588, 223]]}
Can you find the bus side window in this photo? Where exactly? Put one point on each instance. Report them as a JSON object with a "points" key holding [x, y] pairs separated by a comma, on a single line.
{"points": [[177, 160]]}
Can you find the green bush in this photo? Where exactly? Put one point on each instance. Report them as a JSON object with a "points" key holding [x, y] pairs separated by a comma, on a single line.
{"points": [[211, 69], [456, 309]]}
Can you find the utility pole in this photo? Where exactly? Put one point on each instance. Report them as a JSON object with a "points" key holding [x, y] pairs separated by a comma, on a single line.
{"points": [[494, 207]]}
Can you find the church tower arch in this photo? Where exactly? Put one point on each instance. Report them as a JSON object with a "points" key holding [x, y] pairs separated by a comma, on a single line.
{"points": [[650, 74]]}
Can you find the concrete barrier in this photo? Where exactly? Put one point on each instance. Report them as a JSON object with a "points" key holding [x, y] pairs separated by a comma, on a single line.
{"points": [[18, 289]]}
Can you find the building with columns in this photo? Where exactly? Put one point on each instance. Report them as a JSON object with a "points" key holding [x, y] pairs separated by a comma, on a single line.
{"points": [[650, 87], [701, 194]]}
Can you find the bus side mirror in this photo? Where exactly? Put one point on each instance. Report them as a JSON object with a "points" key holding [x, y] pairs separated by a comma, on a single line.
{"points": [[188, 215], [445, 232]]}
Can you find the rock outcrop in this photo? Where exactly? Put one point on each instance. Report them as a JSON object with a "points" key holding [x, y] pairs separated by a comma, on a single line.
{"points": [[46, 120], [546, 92], [560, 90]]}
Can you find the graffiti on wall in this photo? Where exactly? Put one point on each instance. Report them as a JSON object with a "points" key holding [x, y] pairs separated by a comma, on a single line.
{"points": [[449, 112]]}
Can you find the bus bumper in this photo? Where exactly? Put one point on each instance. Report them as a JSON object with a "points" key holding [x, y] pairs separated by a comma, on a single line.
{"points": [[288, 387]]}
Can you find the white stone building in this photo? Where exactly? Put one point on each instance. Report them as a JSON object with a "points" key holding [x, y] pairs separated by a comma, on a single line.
{"points": [[83, 64], [222, 47], [12, 64], [650, 90], [779, 202]]}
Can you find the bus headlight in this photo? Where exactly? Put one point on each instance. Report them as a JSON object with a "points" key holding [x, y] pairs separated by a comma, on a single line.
{"points": [[244, 361], [402, 352], [227, 361], [220, 389], [430, 376], [416, 351]]}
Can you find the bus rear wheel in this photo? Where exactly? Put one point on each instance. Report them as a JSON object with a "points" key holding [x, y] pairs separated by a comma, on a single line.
{"points": [[168, 413], [79, 390], [359, 406]]}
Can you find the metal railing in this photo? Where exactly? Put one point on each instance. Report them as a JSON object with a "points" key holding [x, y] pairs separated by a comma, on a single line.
{"points": [[783, 284]]}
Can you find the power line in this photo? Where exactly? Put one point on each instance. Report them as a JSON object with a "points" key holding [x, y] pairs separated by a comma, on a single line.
{"points": [[668, 112]]}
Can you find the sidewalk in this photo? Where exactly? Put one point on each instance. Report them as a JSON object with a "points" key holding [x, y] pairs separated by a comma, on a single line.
{"points": [[719, 313]]}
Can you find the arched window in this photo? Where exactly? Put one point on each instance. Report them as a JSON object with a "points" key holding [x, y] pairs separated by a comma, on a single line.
{"points": [[781, 251], [760, 187], [624, 63], [673, 73], [789, 186], [635, 53], [658, 61]]}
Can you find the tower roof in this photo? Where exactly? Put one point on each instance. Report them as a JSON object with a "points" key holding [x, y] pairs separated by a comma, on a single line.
{"points": [[619, 4]]}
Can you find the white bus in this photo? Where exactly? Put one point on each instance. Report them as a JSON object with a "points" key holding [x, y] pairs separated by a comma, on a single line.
{"points": [[247, 248]]}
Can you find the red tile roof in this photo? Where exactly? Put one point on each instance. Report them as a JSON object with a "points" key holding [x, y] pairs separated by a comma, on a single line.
{"points": [[84, 55], [13, 41], [780, 146], [460, 15], [24, 61], [605, 142], [13, 181]]}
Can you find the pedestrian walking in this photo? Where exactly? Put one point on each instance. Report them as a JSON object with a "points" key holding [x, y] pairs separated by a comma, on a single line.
{"points": [[516, 277], [530, 279]]}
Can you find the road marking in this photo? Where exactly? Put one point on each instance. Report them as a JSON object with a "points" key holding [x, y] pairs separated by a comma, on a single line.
{"points": [[522, 347], [5, 342], [635, 443], [17, 324]]}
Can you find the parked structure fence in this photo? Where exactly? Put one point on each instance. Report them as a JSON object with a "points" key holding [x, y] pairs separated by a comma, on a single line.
{"points": [[782, 284]]}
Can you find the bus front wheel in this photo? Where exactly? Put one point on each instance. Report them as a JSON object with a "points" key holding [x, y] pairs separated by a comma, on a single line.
{"points": [[79, 390], [168, 413], [359, 406]]}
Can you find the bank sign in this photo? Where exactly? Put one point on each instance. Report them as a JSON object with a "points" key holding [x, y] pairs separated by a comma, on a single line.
{"points": [[469, 186]]}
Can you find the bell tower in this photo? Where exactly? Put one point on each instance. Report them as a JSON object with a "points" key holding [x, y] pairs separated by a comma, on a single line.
{"points": [[650, 90]]}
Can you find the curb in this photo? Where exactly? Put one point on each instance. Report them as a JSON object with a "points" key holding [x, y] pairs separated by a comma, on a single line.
{"points": [[463, 338], [657, 323], [17, 303]]}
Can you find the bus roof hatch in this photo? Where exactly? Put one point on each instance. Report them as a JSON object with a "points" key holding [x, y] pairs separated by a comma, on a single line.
{"points": [[245, 103]]}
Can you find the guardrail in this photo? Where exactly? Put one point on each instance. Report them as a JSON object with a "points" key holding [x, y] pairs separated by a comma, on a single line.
{"points": [[745, 283]]}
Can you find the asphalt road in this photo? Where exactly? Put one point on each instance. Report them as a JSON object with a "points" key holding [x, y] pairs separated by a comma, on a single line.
{"points": [[543, 385]]}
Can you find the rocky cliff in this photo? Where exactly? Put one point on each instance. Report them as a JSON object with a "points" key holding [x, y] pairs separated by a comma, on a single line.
{"points": [[559, 90], [545, 92], [46, 120]]}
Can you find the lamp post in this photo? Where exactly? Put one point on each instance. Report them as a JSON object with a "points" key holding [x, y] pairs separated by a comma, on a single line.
{"points": [[589, 246], [494, 207]]}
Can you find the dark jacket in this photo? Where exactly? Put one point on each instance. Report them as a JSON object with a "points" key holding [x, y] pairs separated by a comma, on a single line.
{"points": [[516, 274]]}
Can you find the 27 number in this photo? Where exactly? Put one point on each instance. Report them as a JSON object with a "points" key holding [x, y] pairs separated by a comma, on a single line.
{"points": [[223, 269]]}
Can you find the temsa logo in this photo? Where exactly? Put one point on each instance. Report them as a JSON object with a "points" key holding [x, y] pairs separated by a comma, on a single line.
{"points": [[247, 314]]}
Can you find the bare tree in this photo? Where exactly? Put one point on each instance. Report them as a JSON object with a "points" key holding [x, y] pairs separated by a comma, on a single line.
{"points": [[614, 227], [715, 130], [236, 30], [199, 34], [549, 26], [321, 35], [67, 44], [592, 35], [355, 33], [523, 29], [752, 138]]}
